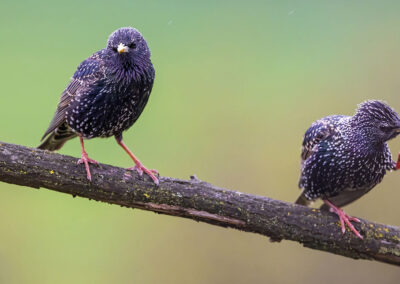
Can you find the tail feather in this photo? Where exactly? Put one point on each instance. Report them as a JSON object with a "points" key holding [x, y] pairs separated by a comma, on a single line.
{"points": [[57, 138], [302, 200], [324, 207]]}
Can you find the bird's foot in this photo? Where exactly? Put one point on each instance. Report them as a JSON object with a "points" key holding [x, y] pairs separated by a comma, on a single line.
{"points": [[86, 160], [151, 173], [344, 219]]}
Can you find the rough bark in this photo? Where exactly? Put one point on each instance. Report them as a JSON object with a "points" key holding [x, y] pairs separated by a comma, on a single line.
{"points": [[199, 201]]}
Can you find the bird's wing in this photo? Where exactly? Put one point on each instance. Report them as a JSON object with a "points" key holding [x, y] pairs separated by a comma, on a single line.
{"points": [[318, 131], [87, 73]]}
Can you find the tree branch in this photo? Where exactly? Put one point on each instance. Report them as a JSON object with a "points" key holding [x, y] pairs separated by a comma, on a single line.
{"points": [[199, 201]]}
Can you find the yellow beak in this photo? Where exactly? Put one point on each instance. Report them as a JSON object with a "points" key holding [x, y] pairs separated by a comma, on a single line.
{"points": [[122, 48]]}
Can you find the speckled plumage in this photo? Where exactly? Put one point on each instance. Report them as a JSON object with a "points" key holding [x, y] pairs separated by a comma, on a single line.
{"points": [[343, 157], [108, 91], [106, 95]]}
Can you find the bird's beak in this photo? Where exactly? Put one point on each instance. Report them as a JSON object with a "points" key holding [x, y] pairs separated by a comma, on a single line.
{"points": [[397, 128], [122, 48]]}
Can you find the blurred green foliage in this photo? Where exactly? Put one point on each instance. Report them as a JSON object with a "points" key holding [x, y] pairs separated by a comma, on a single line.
{"points": [[237, 84]]}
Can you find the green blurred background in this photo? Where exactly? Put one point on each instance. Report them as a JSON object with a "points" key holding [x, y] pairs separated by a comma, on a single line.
{"points": [[237, 84]]}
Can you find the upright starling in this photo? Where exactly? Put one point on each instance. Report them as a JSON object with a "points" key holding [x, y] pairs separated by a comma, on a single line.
{"points": [[344, 157], [105, 96]]}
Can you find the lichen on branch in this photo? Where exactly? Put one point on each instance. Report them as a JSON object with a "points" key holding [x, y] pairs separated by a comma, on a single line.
{"points": [[200, 201]]}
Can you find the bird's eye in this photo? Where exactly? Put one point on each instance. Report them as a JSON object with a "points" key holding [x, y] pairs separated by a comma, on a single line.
{"points": [[132, 45], [385, 128], [115, 49]]}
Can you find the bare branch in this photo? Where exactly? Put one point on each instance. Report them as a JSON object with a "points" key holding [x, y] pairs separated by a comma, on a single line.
{"points": [[199, 201]]}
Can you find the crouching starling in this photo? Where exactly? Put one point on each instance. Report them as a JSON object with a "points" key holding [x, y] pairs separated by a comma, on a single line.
{"points": [[105, 96], [344, 157]]}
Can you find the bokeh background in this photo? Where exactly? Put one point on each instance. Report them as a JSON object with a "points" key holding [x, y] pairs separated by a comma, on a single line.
{"points": [[237, 84]]}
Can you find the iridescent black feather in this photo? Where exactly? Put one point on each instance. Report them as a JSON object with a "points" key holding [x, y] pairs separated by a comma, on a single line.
{"points": [[343, 157], [107, 93]]}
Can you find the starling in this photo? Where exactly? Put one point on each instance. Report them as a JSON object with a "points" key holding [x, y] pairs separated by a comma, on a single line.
{"points": [[344, 157], [105, 96]]}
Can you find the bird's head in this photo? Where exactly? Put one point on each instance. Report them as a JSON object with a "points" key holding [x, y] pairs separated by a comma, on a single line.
{"points": [[378, 119], [128, 44]]}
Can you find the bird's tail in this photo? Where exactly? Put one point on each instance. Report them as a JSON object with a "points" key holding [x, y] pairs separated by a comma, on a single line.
{"points": [[302, 200], [57, 139]]}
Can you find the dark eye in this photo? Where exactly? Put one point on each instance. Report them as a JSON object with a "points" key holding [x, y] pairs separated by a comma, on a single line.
{"points": [[115, 49], [385, 128], [132, 45]]}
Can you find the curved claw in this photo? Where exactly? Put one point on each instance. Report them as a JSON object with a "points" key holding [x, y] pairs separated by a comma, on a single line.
{"points": [[90, 161], [154, 171], [151, 173], [86, 160], [136, 168], [354, 219], [139, 166], [344, 219]]}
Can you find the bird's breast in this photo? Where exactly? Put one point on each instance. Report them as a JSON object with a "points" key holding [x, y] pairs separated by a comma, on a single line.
{"points": [[108, 112]]}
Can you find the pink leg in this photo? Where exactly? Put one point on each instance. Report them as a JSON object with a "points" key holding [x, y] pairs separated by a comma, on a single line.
{"points": [[398, 162], [85, 160], [344, 218], [139, 167]]}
